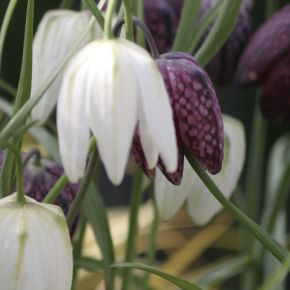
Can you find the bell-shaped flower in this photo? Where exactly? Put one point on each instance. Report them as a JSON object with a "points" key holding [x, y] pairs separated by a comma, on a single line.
{"points": [[266, 61], [109, 87], [36, 251], [202, 206], [197, 115], [56, 34]]}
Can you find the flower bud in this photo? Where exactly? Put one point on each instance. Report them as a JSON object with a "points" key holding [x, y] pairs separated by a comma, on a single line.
{"points": [[36, 250]]}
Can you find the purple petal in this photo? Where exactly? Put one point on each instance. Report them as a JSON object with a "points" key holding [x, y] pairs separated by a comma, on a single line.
{"points": [[275, 97], [269, 44], [196, 109]]}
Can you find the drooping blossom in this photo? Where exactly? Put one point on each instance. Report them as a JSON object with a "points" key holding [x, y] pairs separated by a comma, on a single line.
{"points": [[265, 62], [202, 206], [55, 36], [109, 87], [36, 251], [197, 114]]}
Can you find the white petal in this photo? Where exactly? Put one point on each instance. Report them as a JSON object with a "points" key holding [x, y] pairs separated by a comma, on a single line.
{"points": [[72, 120], [155, 105], [56, 34], [150, 151], [113, 104], [202, 205], [169, 197], [36, 251]]}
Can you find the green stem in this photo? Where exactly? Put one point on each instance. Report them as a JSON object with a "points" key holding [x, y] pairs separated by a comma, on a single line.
{"points": [[258, 232], [136, 197], [271, 7], [253, 183], [20, 184], [5, 24], [76, 205], [18, 119], [66, 4], [96, 11], [187, 23], [56, 189], [220, 31], [152, 241], [77, 249], [109, 18], [140, 14], [128, 19], [270, 216]]}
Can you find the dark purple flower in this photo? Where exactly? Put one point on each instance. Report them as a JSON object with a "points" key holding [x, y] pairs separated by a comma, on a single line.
{"points": [[161, 19], [38, 180], [197, 114], [266, 61]]}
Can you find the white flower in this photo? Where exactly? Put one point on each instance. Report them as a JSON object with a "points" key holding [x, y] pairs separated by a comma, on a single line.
{"points": [[36, 251], [56, 34], [202, 206], [109, 87]]}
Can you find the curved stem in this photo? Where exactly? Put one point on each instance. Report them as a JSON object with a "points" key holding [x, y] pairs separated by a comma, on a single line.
{"points": [[33, 152], [109, 18], [20, 184], [258, 232], [153, 48]]}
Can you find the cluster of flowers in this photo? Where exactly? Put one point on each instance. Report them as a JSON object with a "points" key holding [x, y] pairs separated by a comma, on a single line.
{"points": [[131, 103]]}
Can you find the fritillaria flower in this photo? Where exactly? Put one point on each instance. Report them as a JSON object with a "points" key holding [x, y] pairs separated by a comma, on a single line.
{"points": [[40, 177], [36, 251], [197, 114], [266, 62], [109, 87], [202, 206], [56, 34]]}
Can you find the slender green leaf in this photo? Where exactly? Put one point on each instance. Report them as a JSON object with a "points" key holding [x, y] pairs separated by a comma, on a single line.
{"points": [[5, 24], [224, 271], [277, 277], [203, 26], [186, 25], [257, 231], [89, 264], [40, 134], [96, 11], [185, 285], [95, 211], [221, 30]]}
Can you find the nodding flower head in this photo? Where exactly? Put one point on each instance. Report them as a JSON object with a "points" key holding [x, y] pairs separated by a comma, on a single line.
{"points": [[265, 62], [109, 88], [197, 114]]}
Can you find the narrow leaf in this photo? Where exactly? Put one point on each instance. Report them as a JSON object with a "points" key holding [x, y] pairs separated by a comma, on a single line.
{"points": [[185, 285]]}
